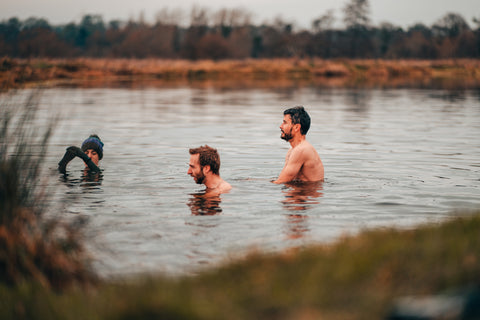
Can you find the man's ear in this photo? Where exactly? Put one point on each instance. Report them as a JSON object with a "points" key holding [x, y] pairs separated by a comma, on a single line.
{"points": [[297, 127], [206, 169]]}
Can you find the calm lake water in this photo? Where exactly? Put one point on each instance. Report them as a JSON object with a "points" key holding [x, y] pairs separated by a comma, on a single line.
{"points": [[397, 157]]}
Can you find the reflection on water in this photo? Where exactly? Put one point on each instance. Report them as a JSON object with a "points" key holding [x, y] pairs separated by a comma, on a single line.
{"points": [[391, 157], [302, 195], [297, 226], [82, 189], [204, 204], [358, 100], [89, 181]]}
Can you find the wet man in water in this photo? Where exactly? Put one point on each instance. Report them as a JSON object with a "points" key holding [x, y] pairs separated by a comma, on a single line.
{"points": [[302, 162], [204, 167]]}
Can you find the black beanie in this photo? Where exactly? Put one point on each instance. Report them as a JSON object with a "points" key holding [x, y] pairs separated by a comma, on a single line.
{"points": [[93, 142]]}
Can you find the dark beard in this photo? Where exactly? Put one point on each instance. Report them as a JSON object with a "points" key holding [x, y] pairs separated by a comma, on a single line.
{"points": [[286, 136], [199, 179]]}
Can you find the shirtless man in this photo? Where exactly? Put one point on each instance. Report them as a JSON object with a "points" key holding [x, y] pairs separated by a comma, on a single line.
{"points": [[302, 162], [204, 167]]}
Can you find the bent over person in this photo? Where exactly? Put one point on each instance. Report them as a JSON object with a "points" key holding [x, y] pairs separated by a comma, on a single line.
{"points": [[91, 153], [204, 168], [302, 162]]}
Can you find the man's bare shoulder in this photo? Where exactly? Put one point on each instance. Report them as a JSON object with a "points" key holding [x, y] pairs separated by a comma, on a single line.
{"points": [[223, 187], [304, 149], [312, 164]]}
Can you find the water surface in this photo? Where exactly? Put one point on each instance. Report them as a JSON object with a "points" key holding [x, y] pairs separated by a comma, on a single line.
{"points": [[392, 158]]}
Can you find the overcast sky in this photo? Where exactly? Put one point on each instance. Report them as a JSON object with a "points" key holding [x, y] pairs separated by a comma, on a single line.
{"points": [[402, 13]]}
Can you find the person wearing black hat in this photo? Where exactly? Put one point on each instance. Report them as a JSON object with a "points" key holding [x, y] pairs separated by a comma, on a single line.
{"points": [[91, 153]]}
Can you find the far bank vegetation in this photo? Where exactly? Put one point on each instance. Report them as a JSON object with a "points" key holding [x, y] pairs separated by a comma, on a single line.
{"points": [[205, 34]]}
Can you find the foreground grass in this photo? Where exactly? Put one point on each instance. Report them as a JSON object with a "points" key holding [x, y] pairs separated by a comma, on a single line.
{"points": [[357, 277], [445, 74], [33, 247]]}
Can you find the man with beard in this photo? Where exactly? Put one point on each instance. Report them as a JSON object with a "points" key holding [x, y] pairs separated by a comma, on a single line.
{"points": [[204, 167], [302, 162]]}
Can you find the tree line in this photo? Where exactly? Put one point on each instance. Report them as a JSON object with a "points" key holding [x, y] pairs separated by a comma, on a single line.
{"points": [[230, 34]]}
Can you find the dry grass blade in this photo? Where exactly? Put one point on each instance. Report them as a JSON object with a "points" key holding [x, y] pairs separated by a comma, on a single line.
{"points": [[33, 247]]}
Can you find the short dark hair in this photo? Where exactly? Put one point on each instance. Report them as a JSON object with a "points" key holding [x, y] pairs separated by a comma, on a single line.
{"points": [[208, 156], [299, 115]]}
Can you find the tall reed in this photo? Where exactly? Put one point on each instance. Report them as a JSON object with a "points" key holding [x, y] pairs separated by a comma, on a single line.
{"points": [[33, 247]]}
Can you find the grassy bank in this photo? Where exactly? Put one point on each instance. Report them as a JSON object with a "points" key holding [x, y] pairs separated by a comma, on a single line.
{"points": [[448, 74], [357, 277]]}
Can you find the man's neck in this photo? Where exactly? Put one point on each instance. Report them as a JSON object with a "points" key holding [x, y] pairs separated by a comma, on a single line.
{"points": [[295, 141], [212, 182]]}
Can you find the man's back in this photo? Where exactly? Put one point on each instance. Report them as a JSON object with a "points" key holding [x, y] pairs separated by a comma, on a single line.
{"points": [[312, 166]]}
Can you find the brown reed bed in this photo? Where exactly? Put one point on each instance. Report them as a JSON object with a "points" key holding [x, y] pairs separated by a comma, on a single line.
{"points": [[461, 73]]}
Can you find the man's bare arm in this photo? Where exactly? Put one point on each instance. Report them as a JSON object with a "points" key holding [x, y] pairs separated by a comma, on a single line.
{"points": [[292, 167]]}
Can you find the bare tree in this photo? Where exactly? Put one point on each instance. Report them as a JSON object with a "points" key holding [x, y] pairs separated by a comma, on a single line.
{"points": [[324, 22], [477, 22], [227, 20], [236, 17], [451, 25], [281, 25], [220, 17], [357, 14], [360, 44], [199, 16], [170, 17], [240, 17], [241, 42], [212, 46]]}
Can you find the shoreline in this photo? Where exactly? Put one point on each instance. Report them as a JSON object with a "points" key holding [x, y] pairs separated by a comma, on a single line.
{"points": [[264, 73]]}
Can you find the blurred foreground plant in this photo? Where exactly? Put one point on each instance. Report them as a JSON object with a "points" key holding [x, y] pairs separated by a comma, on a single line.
{"points": [[32, 246]]}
